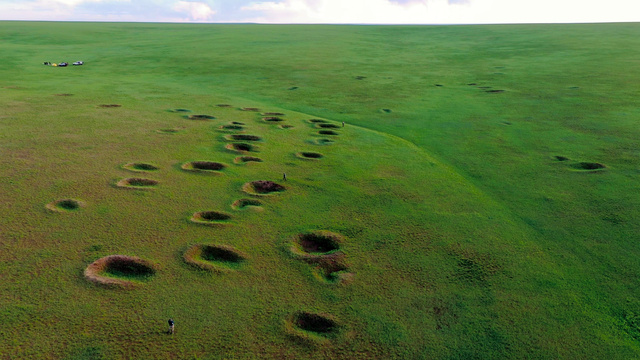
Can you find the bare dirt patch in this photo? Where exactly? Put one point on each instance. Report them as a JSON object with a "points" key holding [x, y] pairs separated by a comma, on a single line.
{"points": [[262, 187], [203, 166]]}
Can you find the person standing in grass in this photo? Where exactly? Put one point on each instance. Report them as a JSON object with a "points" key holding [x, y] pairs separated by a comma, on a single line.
{"points": [[171, 326], [284, 176]]}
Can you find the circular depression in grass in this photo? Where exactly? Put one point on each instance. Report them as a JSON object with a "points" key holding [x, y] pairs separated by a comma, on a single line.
{"points": [[214, 257], [137, 183], [309, 155], [318, 121], [64, 205], [589, 166], [200, 117], [180, 110], [246, 159], [232, 127], [237, 123], [109, 105], [212, 218], [249, 109], [262, 187], [319, 242], [245, 204], [241, 147], [323, 141], [285, 126], [203, 166], [119, 271], [224, 105], [272, 119], [64, 94], [328, 132], [243, 137], [140, 167], [327, 126], [310, 326], [272, 114], [561, 158]]}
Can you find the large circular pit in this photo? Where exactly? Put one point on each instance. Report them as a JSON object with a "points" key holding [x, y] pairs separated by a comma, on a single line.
{"points": [[204, 166], [211, 218], [120, 271], [137, 183]]}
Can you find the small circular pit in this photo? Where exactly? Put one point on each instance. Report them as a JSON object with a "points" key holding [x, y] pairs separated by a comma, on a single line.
{"points": [[137, 183], [588, 166], [217, 258], [242, 137], [262, 188], [247, 204], [272, 119], [140, 167], [65, 205], [246, 159], [211, 218], [328, 132], [200, 117], [309, 155], [204, 166], [241, 147]]}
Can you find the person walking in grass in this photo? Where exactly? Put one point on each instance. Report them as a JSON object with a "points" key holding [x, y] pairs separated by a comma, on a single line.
{"points": [[284, 176], [171, 326]]}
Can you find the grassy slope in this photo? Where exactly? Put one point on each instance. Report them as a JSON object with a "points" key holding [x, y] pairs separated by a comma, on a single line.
{"points": [[537, 263]]}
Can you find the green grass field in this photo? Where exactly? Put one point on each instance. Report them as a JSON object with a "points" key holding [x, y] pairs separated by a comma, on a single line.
{"points": [[483, 192]]}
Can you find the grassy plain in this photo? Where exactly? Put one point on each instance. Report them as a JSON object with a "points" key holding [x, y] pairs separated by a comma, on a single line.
{"points": [[466, 236]]}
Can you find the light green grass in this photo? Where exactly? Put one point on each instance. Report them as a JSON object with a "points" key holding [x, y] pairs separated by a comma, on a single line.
{"points": [[466, 237]]}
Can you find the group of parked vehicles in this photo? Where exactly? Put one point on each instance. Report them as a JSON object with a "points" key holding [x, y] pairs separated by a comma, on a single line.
{"points": [[63, 64]]}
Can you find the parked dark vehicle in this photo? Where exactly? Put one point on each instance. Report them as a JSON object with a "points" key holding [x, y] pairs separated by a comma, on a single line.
{"points": [[78, 63], [63, 64]]}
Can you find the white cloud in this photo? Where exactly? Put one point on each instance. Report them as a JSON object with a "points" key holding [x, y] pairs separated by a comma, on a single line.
{"points": [[443, 11], [197, 11]]}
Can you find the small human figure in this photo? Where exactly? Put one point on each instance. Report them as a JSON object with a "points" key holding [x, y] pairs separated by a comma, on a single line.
{"points": [[171, 326], [343, 124], [284, 176]]}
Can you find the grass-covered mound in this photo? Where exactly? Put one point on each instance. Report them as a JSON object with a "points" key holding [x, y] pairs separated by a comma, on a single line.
{"points": [[140, 167], [204, 167], [120, 271], [244, 204], [211, 218], [262, 188], [65, 205], [216, 258], [242, 147], [246, 159], [309, 155], [137, 183]]}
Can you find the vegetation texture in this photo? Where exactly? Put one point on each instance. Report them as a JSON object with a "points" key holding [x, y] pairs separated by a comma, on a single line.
{"points": [[483, 181]]}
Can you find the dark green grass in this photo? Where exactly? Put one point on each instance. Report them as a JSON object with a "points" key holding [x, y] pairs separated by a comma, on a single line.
{"points": [[466, 237]]}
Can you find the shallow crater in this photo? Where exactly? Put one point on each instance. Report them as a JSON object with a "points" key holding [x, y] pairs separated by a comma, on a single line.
{"points": [[65, 205], [211, 218], [309, 155], [140, 167], [203, 166], [245, 204], [262, 187], [120, 271], [137, 183], [214, 257], [246, 159]]}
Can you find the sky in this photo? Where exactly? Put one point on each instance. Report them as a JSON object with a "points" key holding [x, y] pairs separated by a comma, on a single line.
{"points": [[326, 11]]}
